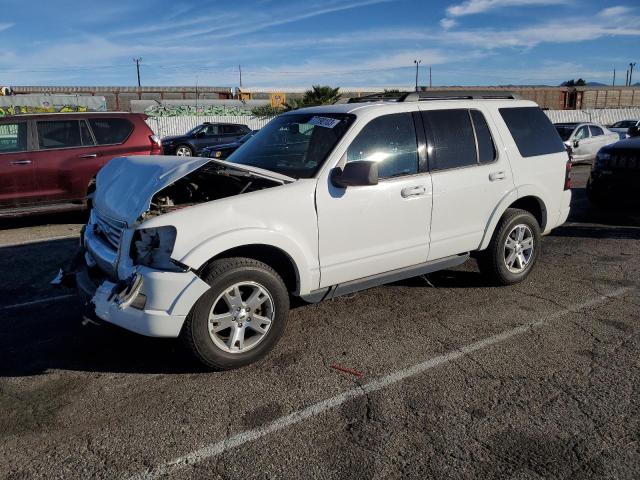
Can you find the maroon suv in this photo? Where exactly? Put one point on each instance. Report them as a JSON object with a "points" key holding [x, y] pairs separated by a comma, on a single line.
{"points": [[49, 162]]}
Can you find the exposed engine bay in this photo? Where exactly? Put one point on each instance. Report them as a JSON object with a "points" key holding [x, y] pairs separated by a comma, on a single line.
{"points": [[210, 182]]}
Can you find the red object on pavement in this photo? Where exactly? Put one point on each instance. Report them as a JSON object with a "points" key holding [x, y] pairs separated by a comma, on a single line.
{"points": [[348, 370]]}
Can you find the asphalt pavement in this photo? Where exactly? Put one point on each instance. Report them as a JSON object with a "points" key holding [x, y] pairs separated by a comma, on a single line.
{"points": [[438, 377]]}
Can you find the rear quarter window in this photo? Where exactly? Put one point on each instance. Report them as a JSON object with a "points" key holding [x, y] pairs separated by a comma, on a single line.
{"points": [[532, 131], [109, 131]]}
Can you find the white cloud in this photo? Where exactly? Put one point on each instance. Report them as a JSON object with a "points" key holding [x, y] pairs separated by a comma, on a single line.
{"points": [[615, 11], [472, 7], [5, 26], [448, 23]]}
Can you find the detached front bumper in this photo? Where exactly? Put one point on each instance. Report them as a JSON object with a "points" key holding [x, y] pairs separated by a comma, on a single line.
{"points": [[151, 302]]}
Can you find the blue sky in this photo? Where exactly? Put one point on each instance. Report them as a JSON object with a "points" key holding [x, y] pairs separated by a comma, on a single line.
{"points": [[297, 43]]}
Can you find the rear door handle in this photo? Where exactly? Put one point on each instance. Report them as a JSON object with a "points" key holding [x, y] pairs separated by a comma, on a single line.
{"points": [[413, 191], [21, 162], [89, 155], [493, 176]]}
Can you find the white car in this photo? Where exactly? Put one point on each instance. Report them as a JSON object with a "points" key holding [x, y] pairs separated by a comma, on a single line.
{"points": [[322, 202], [585, 139], [623, 126]]}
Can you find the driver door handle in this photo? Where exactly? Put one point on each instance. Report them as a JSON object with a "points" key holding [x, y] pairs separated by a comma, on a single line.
{"points": [[414, 191], [493, 176], [21, 162], [89, 155]]}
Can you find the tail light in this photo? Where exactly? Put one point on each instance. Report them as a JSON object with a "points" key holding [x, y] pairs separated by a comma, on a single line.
{"points": [[156, 145], [567, 173]]}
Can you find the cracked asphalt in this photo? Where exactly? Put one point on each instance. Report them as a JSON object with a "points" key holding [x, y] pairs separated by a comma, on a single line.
{"points": [[538, 380]]}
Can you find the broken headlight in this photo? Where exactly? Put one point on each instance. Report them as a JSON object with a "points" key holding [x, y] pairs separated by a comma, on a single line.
{"points": [[152, 247]]}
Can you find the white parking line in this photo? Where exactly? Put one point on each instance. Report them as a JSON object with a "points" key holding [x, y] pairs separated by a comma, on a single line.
{"points": [[233, 441], [39, 240], [37, 302]]}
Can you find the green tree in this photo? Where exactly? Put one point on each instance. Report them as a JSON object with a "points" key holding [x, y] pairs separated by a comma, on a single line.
{"points": [[574, 83], [318, 95], [268, 110]]}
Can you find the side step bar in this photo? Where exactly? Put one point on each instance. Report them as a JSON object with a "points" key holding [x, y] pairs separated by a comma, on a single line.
{"points": [[328, 293]]}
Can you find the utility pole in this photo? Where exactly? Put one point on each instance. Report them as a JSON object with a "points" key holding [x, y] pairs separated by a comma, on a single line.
{"points": [[614, 78], [138, 60], [240, 72], [417, 62], [430, 76], [631, 66]]}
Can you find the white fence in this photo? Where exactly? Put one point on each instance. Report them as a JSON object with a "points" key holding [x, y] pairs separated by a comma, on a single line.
{"points": [[164, 126], [605, 116]]}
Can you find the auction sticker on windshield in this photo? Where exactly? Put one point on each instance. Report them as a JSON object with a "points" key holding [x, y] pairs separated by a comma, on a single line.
{"points": [[326, 122]]}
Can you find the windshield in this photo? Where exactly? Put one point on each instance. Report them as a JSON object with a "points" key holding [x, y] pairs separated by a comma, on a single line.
{"points": [[624, 124], [248, 136], [194, 130], [564, 132], [294, 144]]}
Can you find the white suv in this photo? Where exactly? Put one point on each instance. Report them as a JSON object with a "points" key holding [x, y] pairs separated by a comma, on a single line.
{"points": [[322, 202]]}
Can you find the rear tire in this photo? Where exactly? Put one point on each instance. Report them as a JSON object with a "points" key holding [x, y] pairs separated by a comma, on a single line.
{"points": [[513, 250], [240, 318]]}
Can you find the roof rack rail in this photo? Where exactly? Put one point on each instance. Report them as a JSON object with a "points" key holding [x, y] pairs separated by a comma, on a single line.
{"points": [[380, 97], [438, 95], [460, 95]]}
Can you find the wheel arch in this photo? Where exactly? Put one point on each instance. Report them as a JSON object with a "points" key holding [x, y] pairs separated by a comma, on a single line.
{"points": [[528, 201], [273, 256]]}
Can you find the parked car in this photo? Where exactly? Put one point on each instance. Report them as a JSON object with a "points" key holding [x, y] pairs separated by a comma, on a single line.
{"points": [[226, 149], [585, 139], [615, 175], [211, 250], [205, 135], [623, 126], [48, 162]]}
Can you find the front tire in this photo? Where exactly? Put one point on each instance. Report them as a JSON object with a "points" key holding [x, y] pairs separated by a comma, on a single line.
{"points": [[240, 318], [184, 151], [513, 250]]}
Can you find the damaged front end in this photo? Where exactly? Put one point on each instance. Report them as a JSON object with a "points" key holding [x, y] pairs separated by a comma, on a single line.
{"points": [[124, 270]]}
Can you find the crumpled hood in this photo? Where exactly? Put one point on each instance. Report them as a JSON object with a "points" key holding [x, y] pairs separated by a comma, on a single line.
{"points": [[125, 185]]}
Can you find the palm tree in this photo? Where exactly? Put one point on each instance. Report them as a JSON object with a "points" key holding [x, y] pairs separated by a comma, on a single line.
{"points": [[318, 95]]}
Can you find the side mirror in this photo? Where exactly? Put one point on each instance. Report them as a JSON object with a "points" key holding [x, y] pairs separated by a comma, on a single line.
{"points": [[633, 132], [576, 143], [356, 174]]}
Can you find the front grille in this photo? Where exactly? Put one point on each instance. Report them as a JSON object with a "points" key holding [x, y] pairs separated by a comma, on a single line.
{"points": [[109, 229], [626, 162]]}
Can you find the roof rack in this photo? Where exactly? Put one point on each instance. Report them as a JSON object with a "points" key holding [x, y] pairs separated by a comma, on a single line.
{"points": [[380, 97], [441, 95]]}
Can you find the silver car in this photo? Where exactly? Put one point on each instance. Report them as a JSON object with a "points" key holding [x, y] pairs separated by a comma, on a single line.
{"points": [[585, 139]]}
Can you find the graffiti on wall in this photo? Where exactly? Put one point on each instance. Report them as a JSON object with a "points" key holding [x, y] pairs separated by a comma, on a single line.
{"points": [[192, 110], [23, 109]]}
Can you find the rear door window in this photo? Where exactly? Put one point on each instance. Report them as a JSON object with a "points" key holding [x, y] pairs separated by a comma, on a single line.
{"points": [[389, 140], [231, 130], [595, 131], [110, 131], [486, 147], [13, 137], [59, 134], [532, 131], [452, 143]]}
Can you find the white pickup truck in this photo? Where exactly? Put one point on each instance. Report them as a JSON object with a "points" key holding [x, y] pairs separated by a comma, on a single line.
{"points": [[322, 202]]}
